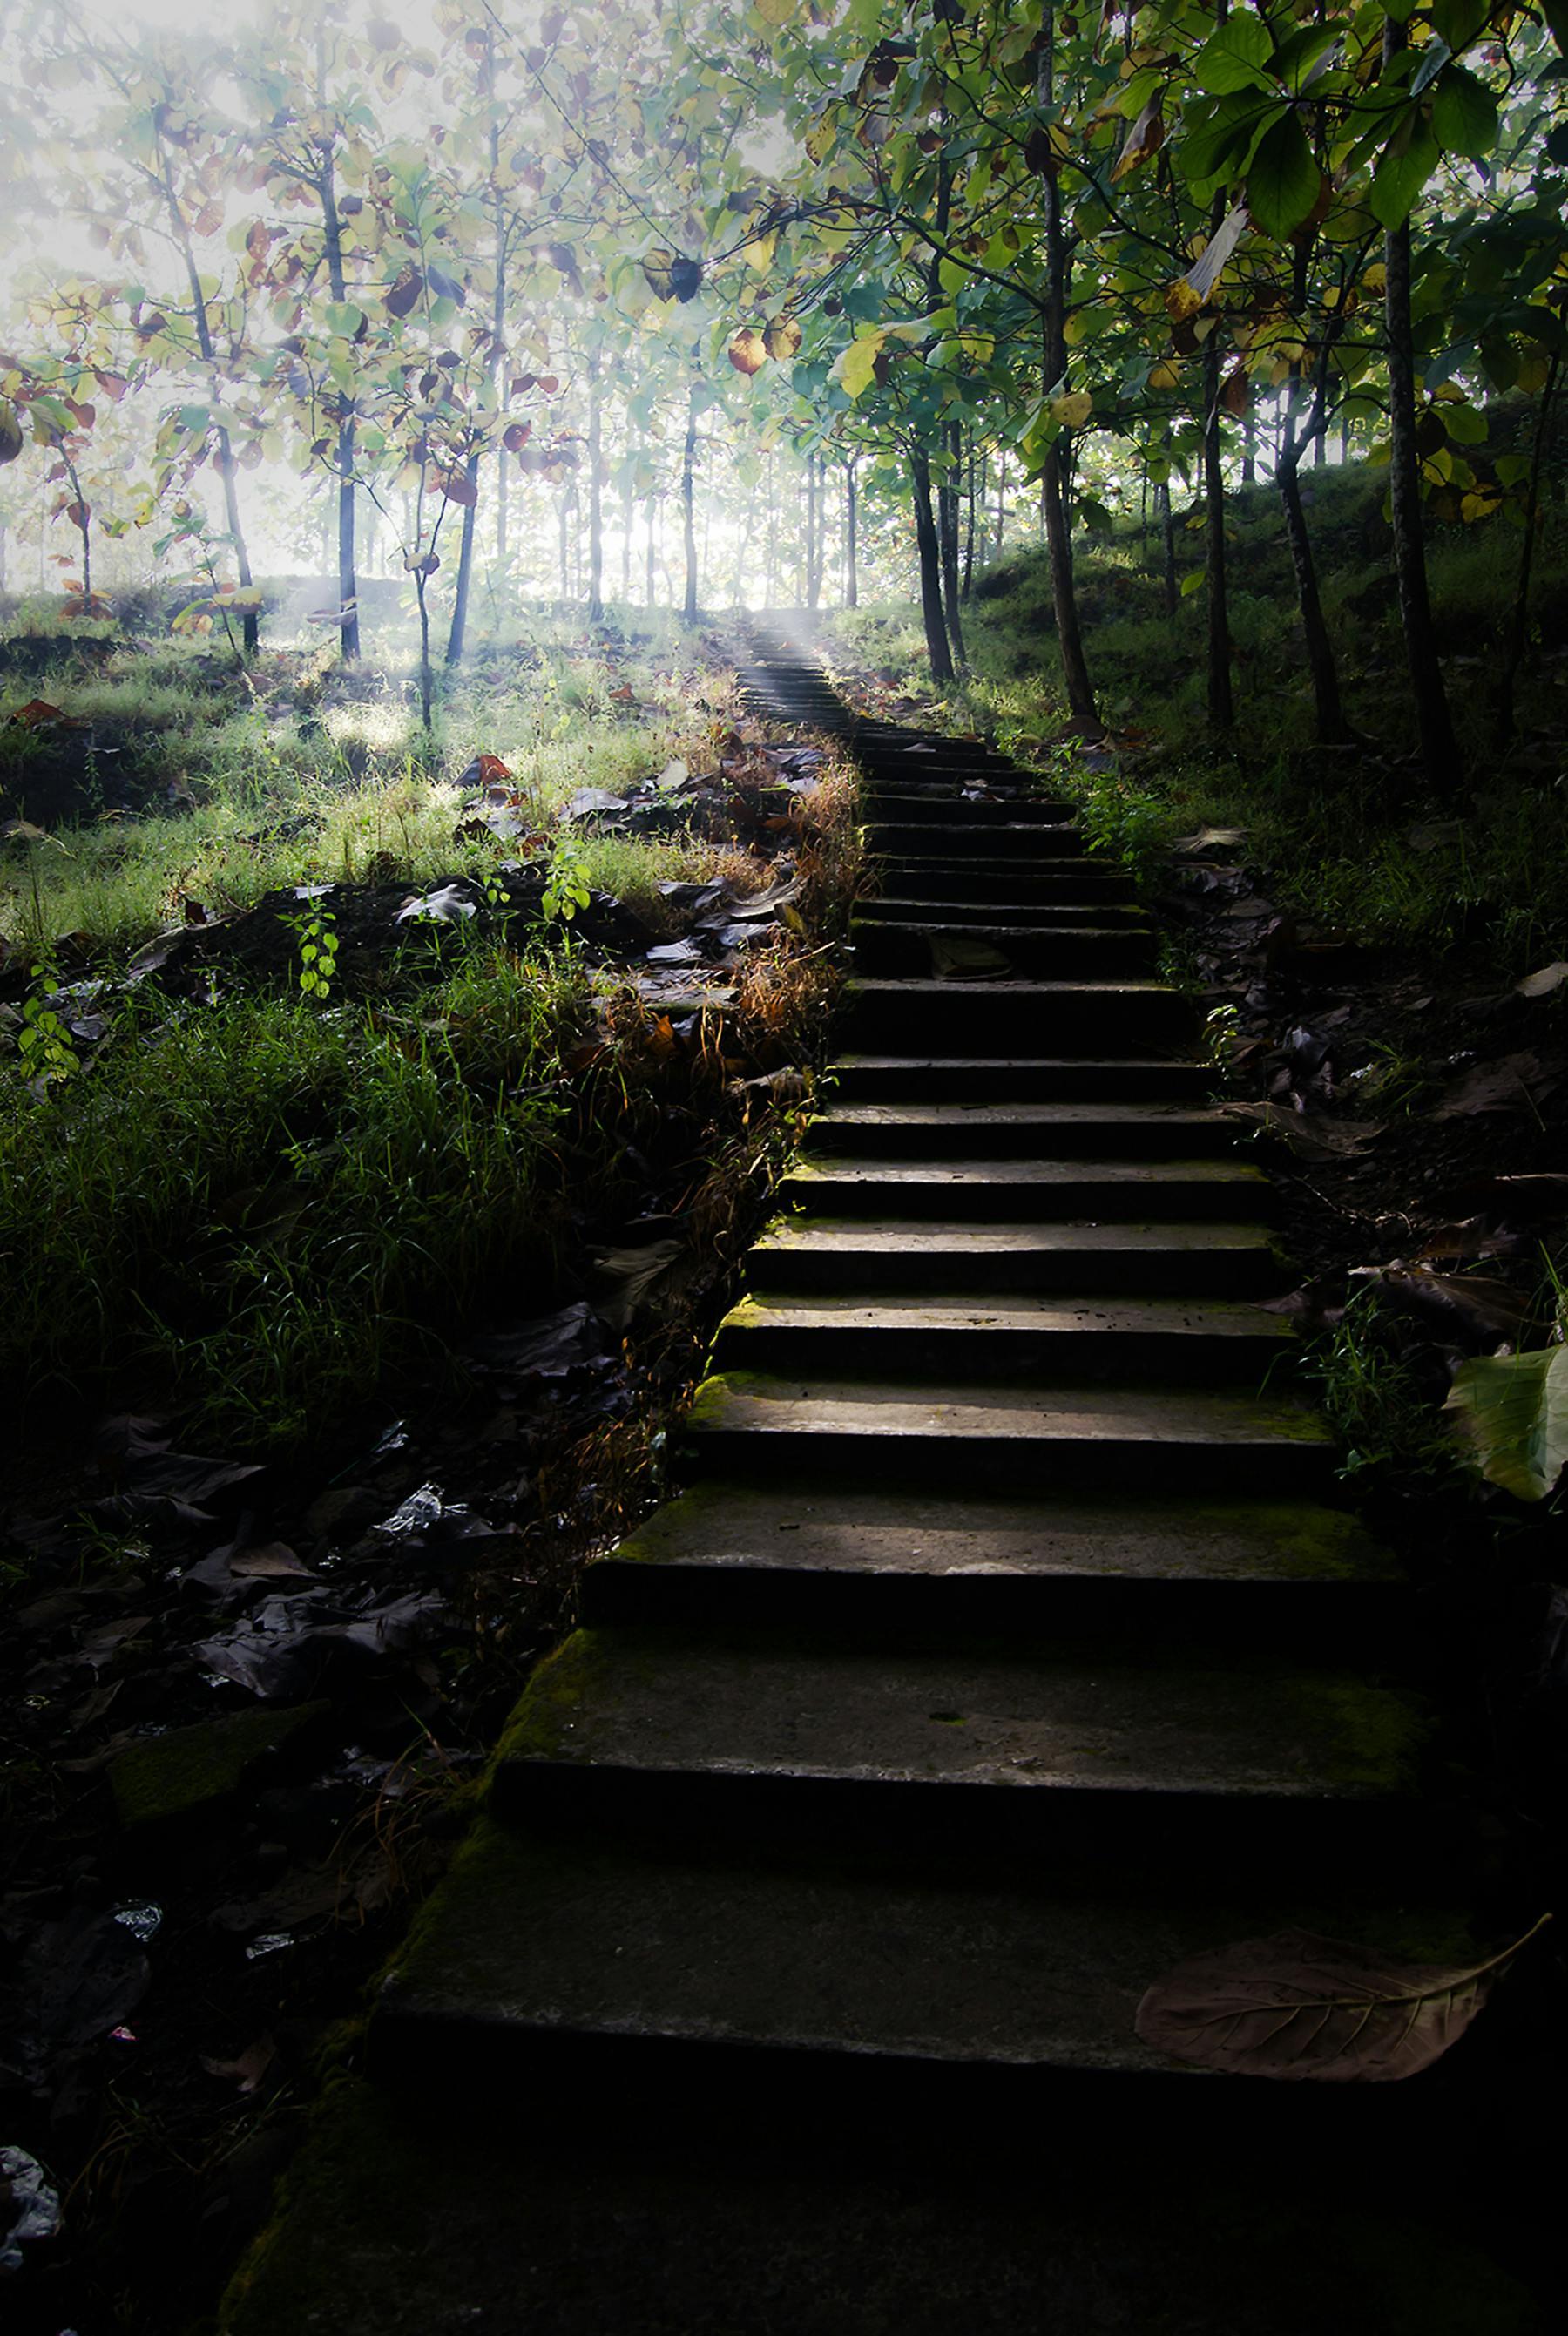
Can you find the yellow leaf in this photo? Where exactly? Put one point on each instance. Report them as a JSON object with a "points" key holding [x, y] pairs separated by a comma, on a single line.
{"points": [[855, 368], [1165, 375], [781, 339], [1181, 301], [747, 352], [821, 138], [1073, 410], [1480, 504], [774, 12], [759, 254], [1375, 278]]}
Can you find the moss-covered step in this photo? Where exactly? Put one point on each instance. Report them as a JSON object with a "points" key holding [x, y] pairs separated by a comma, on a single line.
{"points": [[1036, 916], [918, 1077], [1015, 1018], [928, 877], [815, 1254], [1201, 1766], [915, 1128], [996, 1191], [993, 946], [970, 1334], [1266, 1575], [1159, 1439], [771, 1976], [397, 2221], [958, 837]]}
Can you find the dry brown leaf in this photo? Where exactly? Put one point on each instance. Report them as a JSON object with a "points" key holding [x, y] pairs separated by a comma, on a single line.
{"points": [[1305, 2008]]}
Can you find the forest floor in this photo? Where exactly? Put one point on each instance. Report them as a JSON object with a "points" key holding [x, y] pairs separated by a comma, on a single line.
{"points": [[281, 1538], [289, 1529]]}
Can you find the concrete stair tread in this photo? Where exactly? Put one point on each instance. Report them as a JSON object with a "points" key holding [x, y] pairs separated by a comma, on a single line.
{"points": [[723, 1525], [533, 1939], [844, 1169], [916, 1115], [762, 1404], [758, 1706], [895, 1312], [923, 1237]]}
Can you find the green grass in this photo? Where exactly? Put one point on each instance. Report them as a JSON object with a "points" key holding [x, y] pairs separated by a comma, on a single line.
{"points": [[1349, 841], [265, 1207], [327, 776]]}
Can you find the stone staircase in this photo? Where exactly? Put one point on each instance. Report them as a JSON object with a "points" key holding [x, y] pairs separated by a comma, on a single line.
{"points": [[1008, 1646]]}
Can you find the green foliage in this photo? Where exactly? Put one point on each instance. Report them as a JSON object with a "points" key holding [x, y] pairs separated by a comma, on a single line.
{"points": [[316, 936], [43, 1043], [567, 888], [265, 1210], [1512, 1410]]}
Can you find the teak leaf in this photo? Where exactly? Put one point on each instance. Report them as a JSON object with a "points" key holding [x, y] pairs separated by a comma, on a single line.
{"points": [[1304, 2009]]}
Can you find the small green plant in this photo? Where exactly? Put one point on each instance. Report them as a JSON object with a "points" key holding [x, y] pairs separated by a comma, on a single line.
{"points": [[44, 1042], [318, 937], [1377, 1398], [566, 887]]}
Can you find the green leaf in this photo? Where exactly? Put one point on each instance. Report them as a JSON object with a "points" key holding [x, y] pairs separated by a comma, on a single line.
{"points": [[1285, 181], [1464, 114], [1218, 146], [1512, 1412], [1457, 23], [856, 368], [1235, 56], [1295, 58], [1399, 177]]}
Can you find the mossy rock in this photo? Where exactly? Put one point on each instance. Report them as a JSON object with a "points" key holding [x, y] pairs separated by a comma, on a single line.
{"points": [[168, 1776]]}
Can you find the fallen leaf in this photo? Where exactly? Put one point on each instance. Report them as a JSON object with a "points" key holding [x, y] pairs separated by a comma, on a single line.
{"points": [[1512, 1411], [273, 1561], [251, 2066], [447, 905], [1305, 2008], [1513, 1083], [1315, 1135], [1542, 984]]}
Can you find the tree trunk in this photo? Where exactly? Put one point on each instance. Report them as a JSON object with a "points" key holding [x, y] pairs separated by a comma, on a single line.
{"points": [[974, 490], [851, 520], [459, 623], [1519, 624], [250, 622], [1250, 449], [1168, 545], [1053, 477], [688, 507], [1001, 503], [936, 644], [421, 587], [813, 564], [650, 569], [348, 577], [1220, 701], [1434, 727], [596, 496], [1332, 728], [947, 529]]}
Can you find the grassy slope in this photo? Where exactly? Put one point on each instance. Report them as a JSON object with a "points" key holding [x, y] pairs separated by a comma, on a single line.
{"points": [[1347, 838], [263, 1205]]}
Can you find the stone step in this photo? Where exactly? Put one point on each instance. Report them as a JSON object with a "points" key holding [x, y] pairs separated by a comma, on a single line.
{"points": [[836, 1987], [1015, 1018], [795, 1737], [965, 1335], [892, 807], [1037, 1079], [999, 951], [1026, 1191], [1037, 1439], [1020, 840], [808, 1256], [812, 1555], [1039, 916], [1020, 1131], [930, 878]]}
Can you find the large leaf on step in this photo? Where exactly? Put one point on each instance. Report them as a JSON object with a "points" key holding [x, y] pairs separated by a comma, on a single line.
{"points": [[1512, 1412], [1313, 2009]]}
